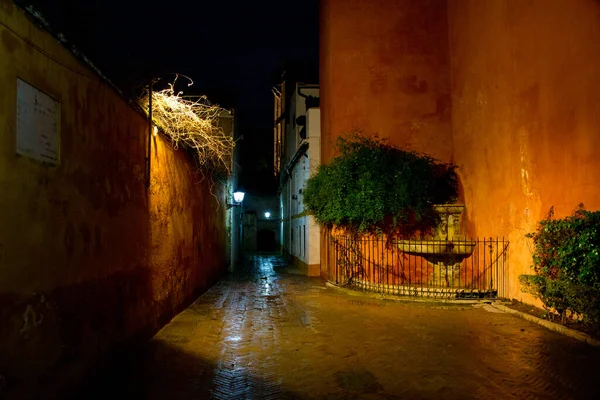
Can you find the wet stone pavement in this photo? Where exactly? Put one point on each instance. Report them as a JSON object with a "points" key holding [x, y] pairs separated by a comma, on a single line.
{"points": [[268, 333]]}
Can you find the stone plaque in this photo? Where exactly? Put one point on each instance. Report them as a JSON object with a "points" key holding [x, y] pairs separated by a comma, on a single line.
{"points": [[38, 123]]}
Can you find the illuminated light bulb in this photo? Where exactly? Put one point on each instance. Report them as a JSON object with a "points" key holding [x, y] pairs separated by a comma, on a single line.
{"points": [[238, 197]]}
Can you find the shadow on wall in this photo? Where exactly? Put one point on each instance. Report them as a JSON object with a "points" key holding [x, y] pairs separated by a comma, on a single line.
{"points": [[54, 343], [50, 340], [50, 346]]}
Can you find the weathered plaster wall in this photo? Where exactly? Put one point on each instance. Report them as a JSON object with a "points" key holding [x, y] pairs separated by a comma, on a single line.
{"points": [[526, 114], [85, 246], [523, 126], [384, 69]]}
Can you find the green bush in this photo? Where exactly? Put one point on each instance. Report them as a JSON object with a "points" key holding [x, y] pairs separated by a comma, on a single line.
{"points": [[566, 262], [373, 186]]}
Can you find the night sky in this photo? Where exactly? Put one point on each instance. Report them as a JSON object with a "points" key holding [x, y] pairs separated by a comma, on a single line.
{"points": [[235, 51]]}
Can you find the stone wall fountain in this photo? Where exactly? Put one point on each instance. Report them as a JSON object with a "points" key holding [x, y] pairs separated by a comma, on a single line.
{"points": [[446, 250]]}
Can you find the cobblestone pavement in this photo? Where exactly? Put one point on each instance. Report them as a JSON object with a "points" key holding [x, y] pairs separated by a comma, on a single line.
{"points": [[266, 333]]}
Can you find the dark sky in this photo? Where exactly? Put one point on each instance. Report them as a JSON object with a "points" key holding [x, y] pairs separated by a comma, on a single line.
{"points": [[234, 51]]}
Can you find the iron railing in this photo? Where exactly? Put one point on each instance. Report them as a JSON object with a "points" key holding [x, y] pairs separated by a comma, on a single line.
{"points": [[430, 268]]}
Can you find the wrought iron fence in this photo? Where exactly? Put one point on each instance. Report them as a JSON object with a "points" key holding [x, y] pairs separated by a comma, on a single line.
{"points": [[430, 268]]}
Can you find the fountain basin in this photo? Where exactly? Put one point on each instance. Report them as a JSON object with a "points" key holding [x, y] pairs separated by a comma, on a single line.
{"points": [[444, 255], [438, 247], [455, 209]]}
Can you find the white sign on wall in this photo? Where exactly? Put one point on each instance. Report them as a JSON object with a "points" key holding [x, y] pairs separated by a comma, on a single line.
{"points": [[38, 122]]}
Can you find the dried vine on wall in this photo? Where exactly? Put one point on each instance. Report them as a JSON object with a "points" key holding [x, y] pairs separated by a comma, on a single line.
{"points": [[192, 122]]}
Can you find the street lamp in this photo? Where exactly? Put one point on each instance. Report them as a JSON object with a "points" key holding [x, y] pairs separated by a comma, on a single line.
{"points": [[238, 197], [267, 215]]}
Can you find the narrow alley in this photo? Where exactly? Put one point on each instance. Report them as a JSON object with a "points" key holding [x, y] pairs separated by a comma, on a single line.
{"points": [[267, 332], [424, 148]]}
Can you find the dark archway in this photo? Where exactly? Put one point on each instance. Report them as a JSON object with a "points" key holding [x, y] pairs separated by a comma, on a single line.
{"points": [[266, 240]]}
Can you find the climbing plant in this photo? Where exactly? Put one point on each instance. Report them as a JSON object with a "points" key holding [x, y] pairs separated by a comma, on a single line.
{"points": [[373, 186]]}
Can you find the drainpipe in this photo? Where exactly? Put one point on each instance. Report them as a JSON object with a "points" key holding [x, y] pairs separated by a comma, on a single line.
{"points": [[149, 149], [290, 214]]}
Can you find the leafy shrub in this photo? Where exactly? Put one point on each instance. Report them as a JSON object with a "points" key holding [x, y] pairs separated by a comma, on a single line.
{"points": [[373, 186], [552, 292], [566, 261]]}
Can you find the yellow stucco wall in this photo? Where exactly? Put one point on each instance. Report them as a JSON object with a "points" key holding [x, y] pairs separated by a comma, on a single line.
{"points": [[526, 114], [384, 69], [112, 258]]}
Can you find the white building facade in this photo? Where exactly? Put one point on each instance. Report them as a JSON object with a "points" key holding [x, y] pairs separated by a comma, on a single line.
{"points": [[297, 156]]}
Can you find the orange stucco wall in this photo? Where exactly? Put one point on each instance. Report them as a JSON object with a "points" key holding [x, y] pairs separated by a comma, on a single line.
{"points": [[86, 244], [523, 109], [384, 69], [526, 113]]}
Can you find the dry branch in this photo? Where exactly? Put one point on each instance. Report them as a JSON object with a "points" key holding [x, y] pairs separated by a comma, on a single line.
{"points": [[193, 123]]}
